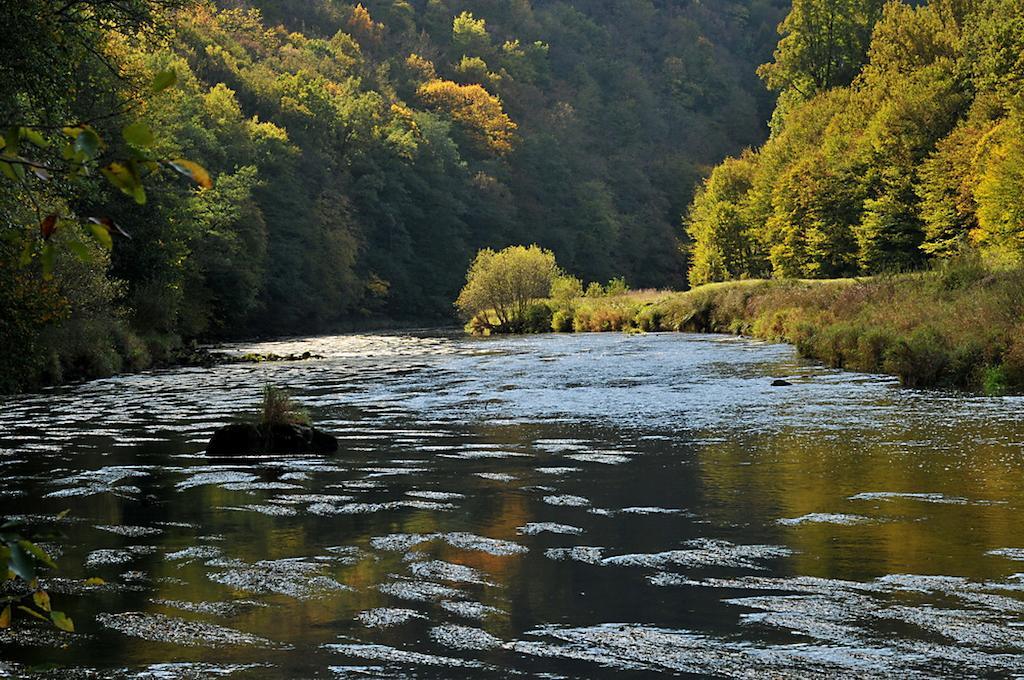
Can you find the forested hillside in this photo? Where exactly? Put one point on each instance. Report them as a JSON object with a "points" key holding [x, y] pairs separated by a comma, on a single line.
{"points": [[898, 140], [360, 155]]}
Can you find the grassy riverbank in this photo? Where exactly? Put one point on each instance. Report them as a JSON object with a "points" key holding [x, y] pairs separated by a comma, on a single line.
{"points": [[959, 326]]}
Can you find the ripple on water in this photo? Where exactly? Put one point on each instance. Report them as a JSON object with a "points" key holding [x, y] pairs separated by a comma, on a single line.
{"points": [[117, 556], [216, 479], [130, 531], [419, 591], [387, 618], [194, 553], [463, 637], [652, 510], [161, 628], [437, 570], [496, 476], [701, 553], [568, 501], [534, 528], [1009, 553], [399, 656], [470, 610], [603, 458], [215, 608], [824, 518], [292, 577], [263, 509], [923, 497], [463, 540]]}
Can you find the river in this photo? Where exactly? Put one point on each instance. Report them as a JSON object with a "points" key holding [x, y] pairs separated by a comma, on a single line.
{"points": [[579, 506]]}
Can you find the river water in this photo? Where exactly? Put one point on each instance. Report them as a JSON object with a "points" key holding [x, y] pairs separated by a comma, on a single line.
{"points": [[560, 506]]}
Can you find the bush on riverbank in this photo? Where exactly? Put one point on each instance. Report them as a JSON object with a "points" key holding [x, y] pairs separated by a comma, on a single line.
{"points": [[961, 325]]}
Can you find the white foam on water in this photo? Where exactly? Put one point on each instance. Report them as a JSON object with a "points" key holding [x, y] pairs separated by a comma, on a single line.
{"points": [[463, 637], [162, 628], [824, 518], [567, 500], [387, 618], [534, 528], [399, 656], [470, 610]]}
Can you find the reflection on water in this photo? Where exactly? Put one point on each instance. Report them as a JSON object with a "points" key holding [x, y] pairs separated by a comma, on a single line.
{"points": [[577, 506]]}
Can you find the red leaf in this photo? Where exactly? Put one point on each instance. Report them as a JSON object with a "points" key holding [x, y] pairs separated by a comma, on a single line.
{"points": [[48, 226]]}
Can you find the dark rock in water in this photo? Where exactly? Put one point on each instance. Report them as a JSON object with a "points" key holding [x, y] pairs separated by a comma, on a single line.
{"points": [[244, 438], [781, 383]]}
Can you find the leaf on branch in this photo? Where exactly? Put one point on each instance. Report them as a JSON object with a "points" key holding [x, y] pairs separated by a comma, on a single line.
{"points": [[15, 170], [138, 134], [164, 80], [38, 553], [193, 171], [41, 173], [11, 139], [61, 620], [101, 234], [5, 617], [110, 226], [21, 564], [87, 143], [48, 226], [126, 179], [35, 138], [42, 600], [95, 581]]}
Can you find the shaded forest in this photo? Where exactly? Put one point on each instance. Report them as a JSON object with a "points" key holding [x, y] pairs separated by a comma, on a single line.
{"points": [[359, 156]]}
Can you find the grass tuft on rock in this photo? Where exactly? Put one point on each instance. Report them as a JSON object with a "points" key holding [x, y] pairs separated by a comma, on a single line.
{"points": [[278, 408]]}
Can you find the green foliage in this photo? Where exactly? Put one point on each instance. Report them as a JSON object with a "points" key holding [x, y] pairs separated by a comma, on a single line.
{"points": [[885, 152], [720, 227], [565, 289], [504, 286], [469, 35], [617, 286], [24, 561], [824, 43]]}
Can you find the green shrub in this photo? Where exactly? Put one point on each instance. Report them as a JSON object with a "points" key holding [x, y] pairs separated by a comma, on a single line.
{"points": [[537, 318], [871, 348], [561, 321], [919, 359], [1013, 360], [616, 287], [961, 272], [581, 321], [649, 319], [994, 381]]}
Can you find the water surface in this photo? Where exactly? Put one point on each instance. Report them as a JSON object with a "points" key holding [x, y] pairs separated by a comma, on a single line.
{"points": [[562, 506]]}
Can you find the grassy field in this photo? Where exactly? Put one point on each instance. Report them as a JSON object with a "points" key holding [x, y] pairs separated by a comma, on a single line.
{"points": [[959, 326]]}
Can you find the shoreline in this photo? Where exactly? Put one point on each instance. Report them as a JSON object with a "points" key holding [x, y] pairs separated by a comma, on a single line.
{"points": [[960, 326]]}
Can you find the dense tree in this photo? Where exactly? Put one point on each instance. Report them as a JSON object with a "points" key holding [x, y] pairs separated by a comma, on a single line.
{"points": [[824, 44], [915, 154], [501, 285]]}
